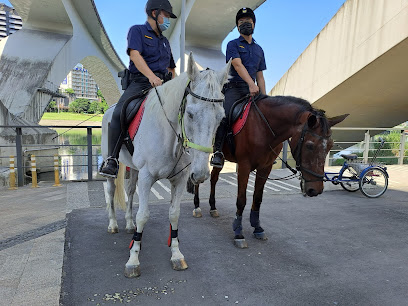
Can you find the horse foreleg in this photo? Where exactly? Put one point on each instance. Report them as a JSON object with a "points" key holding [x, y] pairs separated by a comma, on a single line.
{"points": [[110, 206], [132, 267], [197, 210], [261, 177], [215, 173], [243, 175], [131, 189], [177, 258]]}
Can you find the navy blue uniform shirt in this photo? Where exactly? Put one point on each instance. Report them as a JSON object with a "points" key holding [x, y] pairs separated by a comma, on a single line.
{"points": [[155, 50], [251, 55]]}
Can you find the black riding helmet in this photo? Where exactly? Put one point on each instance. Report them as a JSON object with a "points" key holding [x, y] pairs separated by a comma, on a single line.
{"points": [[161, 5], [245, 12]]}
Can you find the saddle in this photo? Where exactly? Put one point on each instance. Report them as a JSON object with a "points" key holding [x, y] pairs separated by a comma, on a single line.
{"points": [[237, 118], [130, 118]]}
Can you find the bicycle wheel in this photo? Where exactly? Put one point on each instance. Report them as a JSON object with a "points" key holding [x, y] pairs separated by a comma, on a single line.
{"points": [[374, 182], [352, 185]]}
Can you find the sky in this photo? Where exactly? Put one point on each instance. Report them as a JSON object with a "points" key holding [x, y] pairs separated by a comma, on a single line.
{"points": [[284, 28]]}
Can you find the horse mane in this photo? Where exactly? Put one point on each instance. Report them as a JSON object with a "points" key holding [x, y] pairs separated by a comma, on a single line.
{"points": [[304, 106], [171, 94]]}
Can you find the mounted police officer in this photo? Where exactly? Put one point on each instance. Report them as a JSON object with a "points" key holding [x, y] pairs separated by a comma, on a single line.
{"points": [[248, 63], [150, 60]]}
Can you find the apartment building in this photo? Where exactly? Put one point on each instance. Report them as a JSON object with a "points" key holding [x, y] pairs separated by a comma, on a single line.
{"points": [[10, 21]]}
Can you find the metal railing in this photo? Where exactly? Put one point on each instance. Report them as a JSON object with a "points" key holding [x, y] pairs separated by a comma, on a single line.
{"points": [[20, 153]]}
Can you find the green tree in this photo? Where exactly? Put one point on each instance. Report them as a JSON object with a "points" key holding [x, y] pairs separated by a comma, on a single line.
{"points": [[52, 107], [94, 107], [70, 91], [79, 105], [103, 105]]}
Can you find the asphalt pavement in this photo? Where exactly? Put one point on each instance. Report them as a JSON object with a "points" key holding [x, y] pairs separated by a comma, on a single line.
{"points": [[340, 248]]}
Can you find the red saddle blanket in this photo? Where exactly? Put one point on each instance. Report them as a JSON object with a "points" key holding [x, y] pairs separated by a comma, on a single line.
{"points": [[240, 122], [134, 125]]}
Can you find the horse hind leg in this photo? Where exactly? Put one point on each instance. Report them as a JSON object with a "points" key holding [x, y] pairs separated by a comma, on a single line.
{"points": [[261, 177], [110, 206], [131, 189], [215, 173]]}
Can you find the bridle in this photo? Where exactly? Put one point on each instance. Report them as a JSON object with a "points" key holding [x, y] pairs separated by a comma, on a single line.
{"points": [[297, 154], [187, 143]]}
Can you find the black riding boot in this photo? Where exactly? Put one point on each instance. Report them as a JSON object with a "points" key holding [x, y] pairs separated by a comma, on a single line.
{"points": [[217, 159], [111, 165]]}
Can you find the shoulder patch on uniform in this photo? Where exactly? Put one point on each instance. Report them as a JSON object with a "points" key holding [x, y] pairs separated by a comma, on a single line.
{"points": [[148, 37]]}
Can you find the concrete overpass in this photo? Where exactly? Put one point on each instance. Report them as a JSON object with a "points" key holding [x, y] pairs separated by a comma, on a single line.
{"points": [[61, 33], [56, 35], [358, 64]]}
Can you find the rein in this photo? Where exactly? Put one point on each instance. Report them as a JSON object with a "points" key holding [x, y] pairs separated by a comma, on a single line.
{"points": [[297, 153]]}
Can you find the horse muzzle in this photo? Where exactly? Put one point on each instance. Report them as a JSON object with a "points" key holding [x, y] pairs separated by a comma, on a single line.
{"points": [[309, 190], [199, 178]]}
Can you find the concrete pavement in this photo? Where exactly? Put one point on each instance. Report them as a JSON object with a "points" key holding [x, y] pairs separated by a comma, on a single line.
{"points": [[339, 248]]}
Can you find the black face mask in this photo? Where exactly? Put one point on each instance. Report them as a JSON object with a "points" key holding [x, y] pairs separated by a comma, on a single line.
{"points": [[246, 28]]}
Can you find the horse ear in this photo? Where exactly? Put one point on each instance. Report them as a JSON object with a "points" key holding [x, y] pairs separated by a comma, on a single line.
{"points": [[192, 70], [336, 120], [223, 75], [311, 121]]}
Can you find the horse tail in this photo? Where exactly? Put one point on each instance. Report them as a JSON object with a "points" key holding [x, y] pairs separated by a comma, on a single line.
{"points": [[190, 186], [119, 198]]}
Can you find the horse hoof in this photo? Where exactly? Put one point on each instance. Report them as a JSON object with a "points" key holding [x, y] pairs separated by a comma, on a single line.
{"points": [[132, 271], [197, 213], [214, 213], [130, 230], [260, 236], [114, 230], [179, 264], [240, 243]]}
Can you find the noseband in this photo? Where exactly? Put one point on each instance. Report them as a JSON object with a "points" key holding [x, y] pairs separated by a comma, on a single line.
{"points": [[297, 154]]}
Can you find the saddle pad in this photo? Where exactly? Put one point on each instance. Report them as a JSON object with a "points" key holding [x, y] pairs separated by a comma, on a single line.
{"points": [[239, 124], [134, 125]]}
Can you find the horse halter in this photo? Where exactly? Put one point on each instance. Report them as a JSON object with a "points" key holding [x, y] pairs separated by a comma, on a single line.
{"points": [[186, 141], [297, 154]]}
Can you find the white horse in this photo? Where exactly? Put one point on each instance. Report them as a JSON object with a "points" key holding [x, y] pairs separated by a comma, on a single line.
{"points": [[174, 141]]}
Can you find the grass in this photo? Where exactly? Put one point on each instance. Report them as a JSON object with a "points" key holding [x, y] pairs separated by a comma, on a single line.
{"points": [[71, 116]]}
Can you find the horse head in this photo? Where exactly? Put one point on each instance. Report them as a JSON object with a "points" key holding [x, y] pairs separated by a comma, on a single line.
{"points": [[202, 116], [310, 145]]}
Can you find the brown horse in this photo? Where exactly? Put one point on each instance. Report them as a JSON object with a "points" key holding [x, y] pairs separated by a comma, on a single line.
{"points": [[271, 121]]}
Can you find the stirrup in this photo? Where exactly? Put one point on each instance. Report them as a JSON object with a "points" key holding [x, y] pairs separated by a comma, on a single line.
{"points": [[105, 164], [221, 156]]}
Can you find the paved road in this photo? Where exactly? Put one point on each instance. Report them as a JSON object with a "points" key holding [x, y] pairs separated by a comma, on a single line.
{"points": [[339, 248]]}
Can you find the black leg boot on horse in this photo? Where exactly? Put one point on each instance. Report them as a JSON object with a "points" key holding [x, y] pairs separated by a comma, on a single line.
{"points": [[217, 159]]}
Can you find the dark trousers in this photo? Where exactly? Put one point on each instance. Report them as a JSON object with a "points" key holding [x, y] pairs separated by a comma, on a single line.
{"points": [[134, 88], [232, 94]]}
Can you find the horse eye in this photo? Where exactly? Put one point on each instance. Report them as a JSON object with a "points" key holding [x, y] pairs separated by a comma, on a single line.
{"points": [[190, 115], [309, 146]]}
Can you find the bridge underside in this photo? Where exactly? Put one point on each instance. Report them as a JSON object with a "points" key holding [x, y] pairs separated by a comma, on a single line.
{"points": [[373, 99]]}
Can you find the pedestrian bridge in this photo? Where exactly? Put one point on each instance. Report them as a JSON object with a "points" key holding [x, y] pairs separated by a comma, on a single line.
{"points": [[357, 65]]}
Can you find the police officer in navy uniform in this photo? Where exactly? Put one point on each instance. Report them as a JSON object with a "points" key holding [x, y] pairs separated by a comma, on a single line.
{"points": [[150, 60], [248, 63]]}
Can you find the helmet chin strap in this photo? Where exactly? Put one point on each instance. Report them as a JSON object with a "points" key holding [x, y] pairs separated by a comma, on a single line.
{"points": [[158, 11]]}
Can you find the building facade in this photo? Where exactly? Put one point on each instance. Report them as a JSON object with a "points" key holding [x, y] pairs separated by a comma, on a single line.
{"points": [[81, 81], [10, 21]]}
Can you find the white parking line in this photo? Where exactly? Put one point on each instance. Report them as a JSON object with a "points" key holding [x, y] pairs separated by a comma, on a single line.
{"points": [[158, 196], [164, 186]]}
